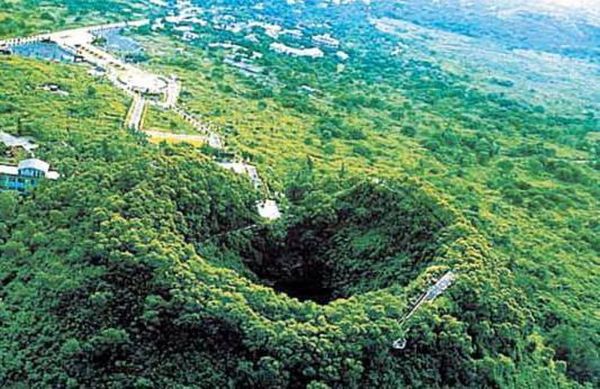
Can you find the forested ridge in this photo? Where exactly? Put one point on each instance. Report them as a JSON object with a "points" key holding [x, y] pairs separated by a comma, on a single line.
{"points": [[146, 265], [120, 298]]}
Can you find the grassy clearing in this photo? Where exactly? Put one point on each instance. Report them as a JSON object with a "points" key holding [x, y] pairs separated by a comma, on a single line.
{"points": [[160, 120]]}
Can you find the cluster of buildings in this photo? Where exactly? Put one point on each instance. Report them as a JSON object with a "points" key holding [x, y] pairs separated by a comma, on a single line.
{"points": [[26, 174], [30, 172]]}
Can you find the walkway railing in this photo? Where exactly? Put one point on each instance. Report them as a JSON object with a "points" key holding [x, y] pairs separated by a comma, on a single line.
{"points": [[431, 294]]}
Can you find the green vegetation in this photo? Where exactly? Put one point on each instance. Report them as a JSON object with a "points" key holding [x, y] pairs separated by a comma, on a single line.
{"points": [[166, 121], [136, 269], [26, 17]]}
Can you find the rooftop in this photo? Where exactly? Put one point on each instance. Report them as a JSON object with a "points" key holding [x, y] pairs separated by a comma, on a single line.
{"points": [[34, 163], [9, 170], [269, 209], [14, 141], [313, 52], [243, 168]]}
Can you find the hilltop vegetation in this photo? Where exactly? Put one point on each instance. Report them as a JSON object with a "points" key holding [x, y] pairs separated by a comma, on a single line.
{"points": [[20, 17], [137, 268]]}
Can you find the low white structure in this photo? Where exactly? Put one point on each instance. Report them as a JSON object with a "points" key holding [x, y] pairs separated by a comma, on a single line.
{"points": [[159, 3], [190, 36], [326, 39], [269, 209], [227, 46], [272, 30], [342, 55], [244, 65], [96, 72], [243, 168], [183, 28], [158, 25], [252, 38], [14, 141], [215, 141], [313, 52], [309, 89], [53, 88]]}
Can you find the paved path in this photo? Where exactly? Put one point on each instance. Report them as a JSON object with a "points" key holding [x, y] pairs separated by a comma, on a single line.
{"points": [[172, 93], [213, 139], [578, 161], [434, 291], [79, 41], [136, 112], [74, 32]]}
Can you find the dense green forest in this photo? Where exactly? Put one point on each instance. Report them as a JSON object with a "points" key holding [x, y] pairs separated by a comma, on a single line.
{"points": [[146, 265]]}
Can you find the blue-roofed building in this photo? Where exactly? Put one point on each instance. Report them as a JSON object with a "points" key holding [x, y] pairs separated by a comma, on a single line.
{"points": [[26, 175]]}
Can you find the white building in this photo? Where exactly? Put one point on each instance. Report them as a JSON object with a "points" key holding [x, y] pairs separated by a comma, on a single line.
{"points": [[13, 141], [313, 52], [326, 39], [269, 209], [190, 36], [244, 169], [25, 175], [342, 55]]}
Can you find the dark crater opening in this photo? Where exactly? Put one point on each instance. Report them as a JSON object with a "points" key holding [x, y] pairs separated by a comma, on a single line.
{"points": [[360, 237]]}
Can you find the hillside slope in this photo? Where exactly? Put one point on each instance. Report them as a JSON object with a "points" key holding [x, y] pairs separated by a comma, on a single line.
{"points": [[147, 265]]}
